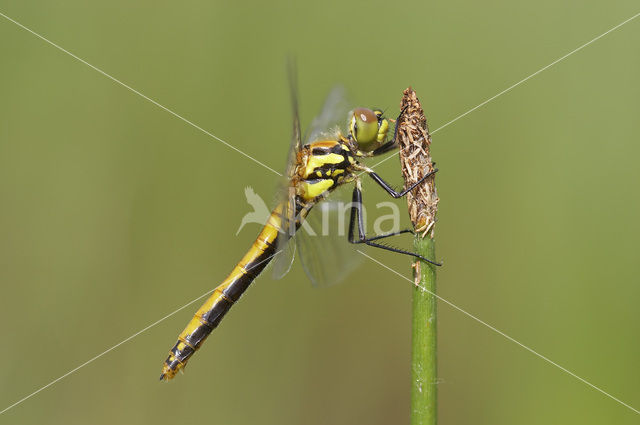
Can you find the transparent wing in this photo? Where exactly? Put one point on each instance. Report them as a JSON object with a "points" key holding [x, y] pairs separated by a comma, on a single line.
{"points": [[286, 250], [283, 260], [332, 119], [296, 141], [326, 255], [286, 192]]}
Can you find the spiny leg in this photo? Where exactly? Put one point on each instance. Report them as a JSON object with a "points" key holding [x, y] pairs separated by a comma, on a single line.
{"points": [[356, 219], [387, 235], [383, 184]]}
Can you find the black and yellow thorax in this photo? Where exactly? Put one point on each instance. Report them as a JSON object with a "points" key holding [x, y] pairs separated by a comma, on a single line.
{"points": [[323, 166]]}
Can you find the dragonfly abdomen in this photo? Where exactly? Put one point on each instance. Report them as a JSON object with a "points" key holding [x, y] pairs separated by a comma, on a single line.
{"points": [[224, 296]]}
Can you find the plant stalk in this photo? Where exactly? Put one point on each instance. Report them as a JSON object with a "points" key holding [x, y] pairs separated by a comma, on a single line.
{"points": [[415, 158], [424, 378]]}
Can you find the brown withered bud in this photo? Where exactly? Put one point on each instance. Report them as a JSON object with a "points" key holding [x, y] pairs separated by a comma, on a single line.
{"points": [[415, 158]]}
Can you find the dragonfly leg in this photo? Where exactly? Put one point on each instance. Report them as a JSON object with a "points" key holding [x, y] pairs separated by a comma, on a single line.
{"points": [[356, 219], [387, 235], [388, 187]]}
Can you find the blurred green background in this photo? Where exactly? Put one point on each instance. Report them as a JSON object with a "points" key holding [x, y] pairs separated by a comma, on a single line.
{"points": [[114, 213]]}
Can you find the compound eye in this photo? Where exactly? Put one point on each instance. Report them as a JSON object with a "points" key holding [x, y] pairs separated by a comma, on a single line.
{"points": [[365, 115], [364, 127]]}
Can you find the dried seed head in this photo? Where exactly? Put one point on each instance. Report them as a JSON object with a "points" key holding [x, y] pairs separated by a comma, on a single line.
{"points": [[415, 158]]}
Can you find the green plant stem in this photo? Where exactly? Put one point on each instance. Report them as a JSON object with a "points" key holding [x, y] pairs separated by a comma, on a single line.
{"points": [[424, 403]]}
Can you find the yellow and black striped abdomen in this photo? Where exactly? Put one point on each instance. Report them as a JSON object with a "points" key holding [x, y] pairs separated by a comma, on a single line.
{"points": [[224, 296]]}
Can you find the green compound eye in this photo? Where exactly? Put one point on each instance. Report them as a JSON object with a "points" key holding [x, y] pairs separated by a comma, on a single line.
{"points": [[368, 128]]}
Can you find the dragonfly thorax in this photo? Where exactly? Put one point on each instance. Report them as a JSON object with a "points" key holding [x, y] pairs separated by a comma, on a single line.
{"points": [[323, 166]]}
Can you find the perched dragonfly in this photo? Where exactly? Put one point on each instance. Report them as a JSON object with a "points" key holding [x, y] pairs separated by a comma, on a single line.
{"points": [[327, 160]]}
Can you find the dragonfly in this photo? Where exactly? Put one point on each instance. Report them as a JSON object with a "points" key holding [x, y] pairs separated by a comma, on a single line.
{"points": [[328, 159]]}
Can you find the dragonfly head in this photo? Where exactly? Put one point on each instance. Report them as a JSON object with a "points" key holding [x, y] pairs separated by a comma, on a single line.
{"points": [[368, 128]]}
